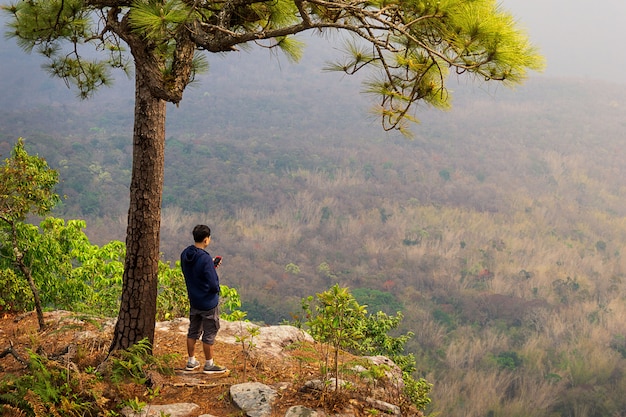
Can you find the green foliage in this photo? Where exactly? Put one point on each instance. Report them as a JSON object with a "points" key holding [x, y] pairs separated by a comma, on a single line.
{"points": [[567, 289], [75, 275], [14, 292], [158, 20], [246, 339], [26, 186], [46, 26], [230, 304], [292, 48], [71, 273], [172, 299], [417, 390], [474, 37], [377, 340], [336, 318], [134, 404], [292, 269], [377, 300], [324, 269], [265, 311], [444, 318], [508, 360], [133, 363], [50, 389], [101, 269]]}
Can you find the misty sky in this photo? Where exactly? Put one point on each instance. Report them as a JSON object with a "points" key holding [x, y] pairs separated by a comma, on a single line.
{"points": [[579, 38]]}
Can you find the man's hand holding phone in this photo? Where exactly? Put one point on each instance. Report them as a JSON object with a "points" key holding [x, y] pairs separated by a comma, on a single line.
{"points": [[217, 261]]}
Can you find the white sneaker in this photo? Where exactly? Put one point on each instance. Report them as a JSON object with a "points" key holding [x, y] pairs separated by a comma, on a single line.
{"points": [[192, 364], [214, 369]]}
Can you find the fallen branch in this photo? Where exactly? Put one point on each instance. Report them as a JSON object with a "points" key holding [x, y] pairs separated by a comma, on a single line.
{"points": [[196, 384], [11, 351]]}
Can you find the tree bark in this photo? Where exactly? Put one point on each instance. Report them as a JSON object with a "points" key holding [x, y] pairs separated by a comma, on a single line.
{"points": [[31, 283], [19, 261], [136, 319]]}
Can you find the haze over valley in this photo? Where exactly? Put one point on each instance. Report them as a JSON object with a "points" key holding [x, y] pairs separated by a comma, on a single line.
{"points": [[497, 230]]}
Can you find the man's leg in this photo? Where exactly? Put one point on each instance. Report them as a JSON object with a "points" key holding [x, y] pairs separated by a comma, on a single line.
{"points": [[194, 331], [192, 362], [210, 367], [210, 327], [191, 347], [208, 351]]}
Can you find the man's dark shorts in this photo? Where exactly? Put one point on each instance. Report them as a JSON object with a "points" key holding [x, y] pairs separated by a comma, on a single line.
{"points": [[204, 324]]}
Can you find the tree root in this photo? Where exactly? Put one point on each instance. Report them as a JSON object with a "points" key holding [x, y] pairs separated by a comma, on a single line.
{"points": [[11, 351]]}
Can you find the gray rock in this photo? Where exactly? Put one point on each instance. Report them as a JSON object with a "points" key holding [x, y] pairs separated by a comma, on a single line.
{"points": [[271, 339], [384, 406], [172, 410], [301, 411], [323, 386], [254, 398]]}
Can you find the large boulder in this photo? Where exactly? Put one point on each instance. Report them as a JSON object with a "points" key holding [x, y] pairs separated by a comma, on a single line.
{"points": [[254, 398]]}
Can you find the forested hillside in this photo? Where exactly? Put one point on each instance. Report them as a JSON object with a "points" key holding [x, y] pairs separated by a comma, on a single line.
{"points": [[497, 230]]}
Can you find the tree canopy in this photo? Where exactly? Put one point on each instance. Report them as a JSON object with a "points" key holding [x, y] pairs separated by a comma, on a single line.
{"points": [[26, 187], [412, 44], [411, 47]]}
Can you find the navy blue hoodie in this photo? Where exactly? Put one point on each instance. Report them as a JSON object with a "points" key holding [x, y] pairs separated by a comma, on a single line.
{"points": [[203, 284]]}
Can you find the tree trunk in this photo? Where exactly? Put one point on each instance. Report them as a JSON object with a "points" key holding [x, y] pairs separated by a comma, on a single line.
{"points": [[19, 260], [31, 283], [136, 319]]}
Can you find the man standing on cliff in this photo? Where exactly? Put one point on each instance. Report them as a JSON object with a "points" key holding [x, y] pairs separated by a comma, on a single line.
{"points": [[203, 290]]}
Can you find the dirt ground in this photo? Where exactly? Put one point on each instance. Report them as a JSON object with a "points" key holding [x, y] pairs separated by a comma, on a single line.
{"points": [[87, 341]]}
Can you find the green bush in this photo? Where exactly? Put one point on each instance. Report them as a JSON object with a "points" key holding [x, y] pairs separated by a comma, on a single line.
{"points": [[133, 363], [508, 360], [50, 389], [172, 293], [335, 318], [72, 274], [14, 293]]}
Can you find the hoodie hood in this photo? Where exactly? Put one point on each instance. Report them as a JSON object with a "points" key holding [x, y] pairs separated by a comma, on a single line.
{"points": [[191, 253]]}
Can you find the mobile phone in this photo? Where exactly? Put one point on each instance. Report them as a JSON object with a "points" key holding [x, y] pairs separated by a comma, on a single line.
{"points": [[217, 260]]}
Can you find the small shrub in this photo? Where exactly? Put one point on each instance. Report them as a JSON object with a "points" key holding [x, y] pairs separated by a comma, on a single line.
{"points": [[336, 319], [132, 363], [49, 389], [508, 360]]}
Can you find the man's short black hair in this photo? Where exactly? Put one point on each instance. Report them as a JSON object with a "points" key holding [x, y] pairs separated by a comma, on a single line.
{"points": [[201, 232]]}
